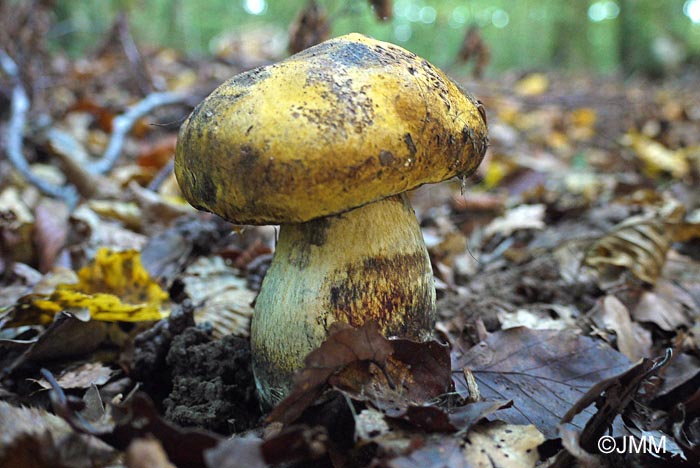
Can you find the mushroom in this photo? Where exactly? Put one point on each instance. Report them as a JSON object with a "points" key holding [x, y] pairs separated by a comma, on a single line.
{"points": [[325, 144]]}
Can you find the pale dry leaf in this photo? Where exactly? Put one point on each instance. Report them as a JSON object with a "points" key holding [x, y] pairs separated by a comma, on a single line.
{"points": [[536, 318], [17, 226], [503, 445], [657, 157], [533, 84], [369, 424], [154, 207], [516, 219], [126, 212], [24, 278], [58, 275], [146, 453], [663, 307], [632, 340], [105, 233], [220, 296], [82, 376]]}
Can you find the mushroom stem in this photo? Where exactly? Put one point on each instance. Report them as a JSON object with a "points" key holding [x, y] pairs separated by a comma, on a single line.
{"points": [[366, 264]]}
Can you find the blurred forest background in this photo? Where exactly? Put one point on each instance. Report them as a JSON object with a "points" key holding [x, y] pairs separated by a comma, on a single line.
{"points": [[574, 246], [633, 36]]}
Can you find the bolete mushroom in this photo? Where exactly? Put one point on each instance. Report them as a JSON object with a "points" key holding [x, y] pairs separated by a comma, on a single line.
{"points": [[325, 144]]}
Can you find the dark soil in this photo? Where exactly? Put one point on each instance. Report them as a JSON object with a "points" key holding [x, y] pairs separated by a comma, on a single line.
{"points": [[212, 383]]}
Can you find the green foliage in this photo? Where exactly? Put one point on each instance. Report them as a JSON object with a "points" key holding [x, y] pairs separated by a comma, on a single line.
{"points": [[595, 34]]}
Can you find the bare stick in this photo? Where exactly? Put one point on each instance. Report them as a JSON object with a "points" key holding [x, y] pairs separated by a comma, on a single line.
{"points": [[161, 176], [15, 136], [133, 55], [125, 122]]}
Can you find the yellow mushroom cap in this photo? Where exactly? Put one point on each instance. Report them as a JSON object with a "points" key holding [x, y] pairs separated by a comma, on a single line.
{"points": [[350, 121]]}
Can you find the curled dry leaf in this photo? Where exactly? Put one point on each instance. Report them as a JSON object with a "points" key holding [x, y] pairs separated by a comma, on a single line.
{"points": [[611, 397], [166, 254], [220, 297], [89, 232], [345, 345], [415, 373], [156, 208], [20, 279], [392, 375], [65, 336], [638, 244], [16, 226], [126, 212]]}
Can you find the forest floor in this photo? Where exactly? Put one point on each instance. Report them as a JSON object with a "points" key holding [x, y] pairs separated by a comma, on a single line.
{"points": [[567, 272]]}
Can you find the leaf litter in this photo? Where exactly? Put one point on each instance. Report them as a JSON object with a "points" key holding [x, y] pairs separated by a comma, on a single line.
{"points": [[568, 274]]}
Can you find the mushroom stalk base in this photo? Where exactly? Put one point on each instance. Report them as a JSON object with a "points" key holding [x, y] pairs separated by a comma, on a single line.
{"points": [[370, 263]]}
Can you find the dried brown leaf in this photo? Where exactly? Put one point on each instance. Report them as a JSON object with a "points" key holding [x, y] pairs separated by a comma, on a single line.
{"points": [[50, 231], [345, 345], [414, 374], [238, 451], [66, 336], [33, 437], [611, 397], [544, 372], [293, 444], [311, 27], [435, 419], [82, 376], [667, 306], [638, 244], [632, 339], [135, 419], [441, 453]]}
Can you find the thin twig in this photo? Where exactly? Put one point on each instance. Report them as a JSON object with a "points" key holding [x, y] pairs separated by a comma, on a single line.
{"points": [[162, 175], [133, 55], [125, 122], [15, 136]]}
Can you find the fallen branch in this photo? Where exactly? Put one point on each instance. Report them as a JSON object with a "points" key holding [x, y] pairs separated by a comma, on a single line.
{"points": [[126, 121], [15, 136]]}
